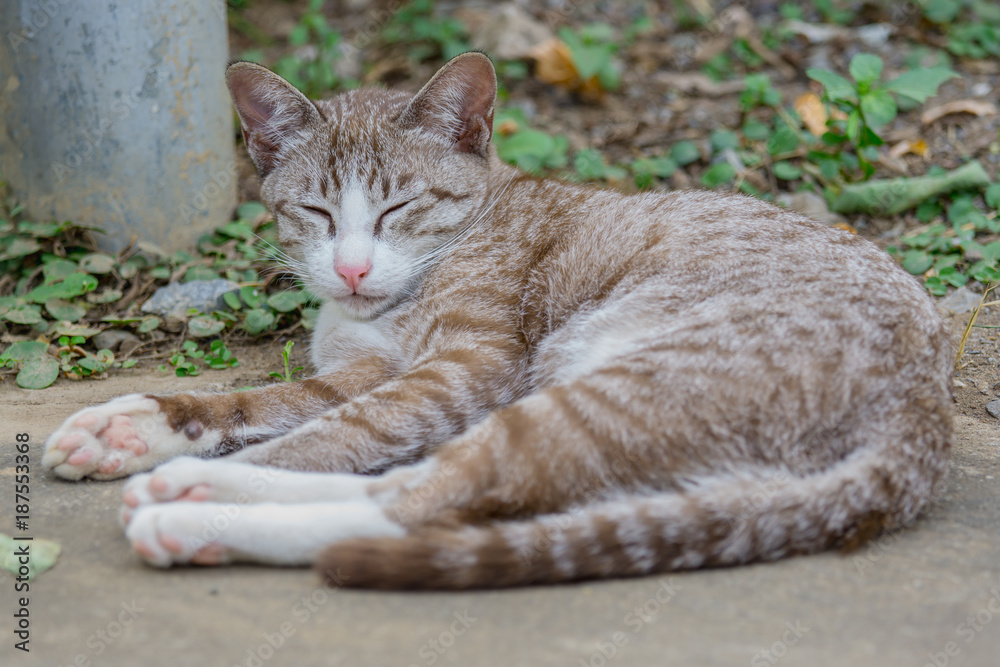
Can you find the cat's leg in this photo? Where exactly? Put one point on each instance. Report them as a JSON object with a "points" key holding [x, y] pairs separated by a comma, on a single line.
{"points": [[404, 419], [268, 533], [225, 481], [134, 433]]}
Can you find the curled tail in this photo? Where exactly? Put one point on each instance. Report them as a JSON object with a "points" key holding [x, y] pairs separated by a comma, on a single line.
{"points": [[726, 521]]}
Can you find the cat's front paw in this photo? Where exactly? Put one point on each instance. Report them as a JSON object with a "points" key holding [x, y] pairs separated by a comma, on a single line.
{"points": [[180, 533], [124, 436]]}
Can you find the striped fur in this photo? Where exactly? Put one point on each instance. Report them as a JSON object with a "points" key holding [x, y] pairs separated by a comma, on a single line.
{"points": [[549, 382]]}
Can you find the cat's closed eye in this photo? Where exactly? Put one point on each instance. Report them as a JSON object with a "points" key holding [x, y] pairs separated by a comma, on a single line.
{"points": [[323, 215], [389, 211]]}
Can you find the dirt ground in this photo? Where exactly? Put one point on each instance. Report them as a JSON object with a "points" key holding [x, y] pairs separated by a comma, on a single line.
{"points": [[905, 599]]}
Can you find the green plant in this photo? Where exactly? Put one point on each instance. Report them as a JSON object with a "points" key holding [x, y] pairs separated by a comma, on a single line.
{"points": [[289, 372], [186, 360], [871, 104], [593, 50], [425, 34], [313, 70], [531, 150]]}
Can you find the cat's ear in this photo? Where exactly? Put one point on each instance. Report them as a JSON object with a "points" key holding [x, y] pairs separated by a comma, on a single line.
{"points": [[457, 103], [271, 111]]}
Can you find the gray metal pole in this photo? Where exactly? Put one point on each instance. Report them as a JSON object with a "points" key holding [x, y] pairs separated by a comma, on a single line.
{"points": [[115, 115]]}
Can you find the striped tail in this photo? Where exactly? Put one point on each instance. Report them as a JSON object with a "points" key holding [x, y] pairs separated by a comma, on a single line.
{"points": [[721, 522]]}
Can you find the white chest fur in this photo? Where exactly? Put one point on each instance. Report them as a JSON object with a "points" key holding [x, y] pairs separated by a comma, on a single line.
{"points": [[339, 339]]}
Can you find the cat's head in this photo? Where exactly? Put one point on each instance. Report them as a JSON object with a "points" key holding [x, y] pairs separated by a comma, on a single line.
{"points": [[366, 186]]}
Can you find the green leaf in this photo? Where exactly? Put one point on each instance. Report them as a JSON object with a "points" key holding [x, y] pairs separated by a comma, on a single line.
{"points": [[251, 211], [41, 229], [285, 302], [917, 261], [105, 296], [784, 140], [953, 277], [24, 315], [755, 130], [38, 373], [309, 318], [148, 324], [199, 273], [684, 153], [258, 320], [97, 263], [77, 284], [920, 84], [251, 296], [20, 247], [24, 350], [67, 329], [718, 174], [57, 270], [237, 230], [43, 293], [44, 554], [204, 326], [787, 171], [64, 310], [723, 139], [865, 68], [129, 363], [836, 86], [232, 300], [878, 107], [992, 196]]}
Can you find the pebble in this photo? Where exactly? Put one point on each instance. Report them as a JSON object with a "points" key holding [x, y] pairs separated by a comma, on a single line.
{"points": [[175, 300], [962, 300], [993, 407], [116, 340]]}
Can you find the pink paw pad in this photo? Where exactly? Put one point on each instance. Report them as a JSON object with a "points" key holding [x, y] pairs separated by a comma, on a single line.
{"points": [[71, 441], [213, 554], [80, 456]]}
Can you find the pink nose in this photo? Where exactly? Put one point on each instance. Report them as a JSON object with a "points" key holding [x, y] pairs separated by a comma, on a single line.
{"points": [[353, 273]]}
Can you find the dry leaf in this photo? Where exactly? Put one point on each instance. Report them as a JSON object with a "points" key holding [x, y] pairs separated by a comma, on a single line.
{"points": [[554, 63], [917, 147], [812, 111], [975, 107], [507, 127], [846, 227]]}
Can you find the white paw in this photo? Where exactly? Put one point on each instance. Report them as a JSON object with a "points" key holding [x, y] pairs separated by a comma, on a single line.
{"points": [[183, 532], [184, 478], [106, 441]]}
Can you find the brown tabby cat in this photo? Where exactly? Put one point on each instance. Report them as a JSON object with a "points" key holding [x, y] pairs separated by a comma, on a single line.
{"points": [[524, 381]]}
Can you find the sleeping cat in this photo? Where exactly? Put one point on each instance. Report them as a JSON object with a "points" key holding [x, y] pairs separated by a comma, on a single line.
{"points": [[521, 380]]}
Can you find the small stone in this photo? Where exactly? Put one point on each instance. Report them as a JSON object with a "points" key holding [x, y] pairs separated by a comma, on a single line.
{"points": [[203, 295], [511, 33], [117, 340], [962, 300], [955, 382], [993, 407]]}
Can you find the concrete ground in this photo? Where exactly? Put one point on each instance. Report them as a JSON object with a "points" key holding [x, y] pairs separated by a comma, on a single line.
{"points": [[928, 596]]}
